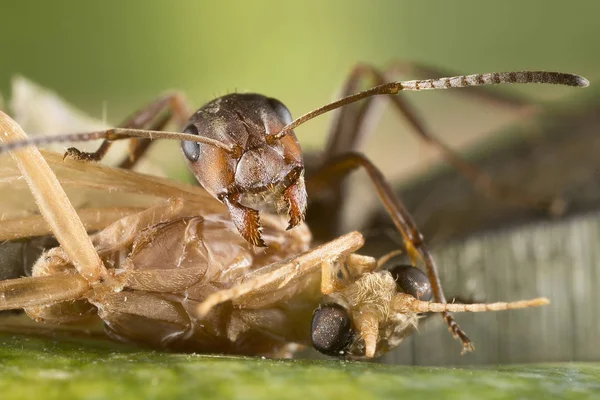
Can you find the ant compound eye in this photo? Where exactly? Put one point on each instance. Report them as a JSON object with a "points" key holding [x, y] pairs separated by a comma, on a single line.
{"points": [[282, 112], [331, 332], [191, 149], [411, 280]]}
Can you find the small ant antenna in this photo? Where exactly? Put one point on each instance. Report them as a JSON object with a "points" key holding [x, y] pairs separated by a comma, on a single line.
{"points": [[461, 81], [114, 134]]}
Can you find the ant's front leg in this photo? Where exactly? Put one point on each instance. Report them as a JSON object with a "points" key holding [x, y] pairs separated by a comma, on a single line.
{"points": [[155, 116]]}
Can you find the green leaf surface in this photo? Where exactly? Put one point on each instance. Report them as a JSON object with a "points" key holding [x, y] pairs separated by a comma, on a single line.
{"points": [[33, 367]]}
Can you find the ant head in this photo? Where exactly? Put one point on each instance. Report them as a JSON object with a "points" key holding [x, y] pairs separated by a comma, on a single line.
{"points": [[257, 174]]}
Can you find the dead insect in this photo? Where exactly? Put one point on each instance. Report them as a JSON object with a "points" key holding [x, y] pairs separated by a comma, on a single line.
{"points": [[201, 287]]}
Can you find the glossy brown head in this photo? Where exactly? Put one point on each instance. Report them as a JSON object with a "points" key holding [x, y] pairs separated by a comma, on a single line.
{"points": [[256, 175]]}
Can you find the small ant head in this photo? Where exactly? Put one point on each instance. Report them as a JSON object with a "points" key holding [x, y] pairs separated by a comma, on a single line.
{"points": [[258, 174]]}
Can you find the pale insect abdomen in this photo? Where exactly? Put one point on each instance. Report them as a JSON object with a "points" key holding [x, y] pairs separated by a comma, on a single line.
{"points": [[222, 259]]}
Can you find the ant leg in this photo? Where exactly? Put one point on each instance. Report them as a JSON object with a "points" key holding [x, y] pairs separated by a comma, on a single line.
{"points": [[352, 124], [413, 239], [139, 147], [174, 106]]}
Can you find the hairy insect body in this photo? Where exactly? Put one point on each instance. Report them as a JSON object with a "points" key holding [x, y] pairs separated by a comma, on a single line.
{"points": [[369, 298]]}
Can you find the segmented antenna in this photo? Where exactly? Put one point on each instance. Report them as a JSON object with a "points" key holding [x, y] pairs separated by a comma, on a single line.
{"points": [[405, 303], [112, 134], [492, 78]]}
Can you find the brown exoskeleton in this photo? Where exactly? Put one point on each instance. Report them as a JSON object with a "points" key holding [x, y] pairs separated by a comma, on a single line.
{"points": [[174, 279], [232, 131]]}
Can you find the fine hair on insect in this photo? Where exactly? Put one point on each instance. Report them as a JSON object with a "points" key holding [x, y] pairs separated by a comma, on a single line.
{"points": [[180, 265]]}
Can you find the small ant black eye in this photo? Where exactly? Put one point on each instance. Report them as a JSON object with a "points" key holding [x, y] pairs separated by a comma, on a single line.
{"points": [[413, 281], [191, 149], [282, 112], [331, 331]]}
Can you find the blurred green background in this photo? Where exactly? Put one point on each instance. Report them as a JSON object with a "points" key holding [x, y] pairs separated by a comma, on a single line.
{"points": [[114, 56], [119, 55]]}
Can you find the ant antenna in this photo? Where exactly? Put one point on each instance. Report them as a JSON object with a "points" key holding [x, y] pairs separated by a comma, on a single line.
{"points": [[114, 134], [462, 81]]}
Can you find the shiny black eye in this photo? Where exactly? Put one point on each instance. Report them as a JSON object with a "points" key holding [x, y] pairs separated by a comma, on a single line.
{"points": [[412, 280], [191, 149], [331, 331], [281, 111]]}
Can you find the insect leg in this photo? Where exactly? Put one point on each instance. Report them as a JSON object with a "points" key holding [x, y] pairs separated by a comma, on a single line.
{"points": [[352, 124], [54, 205], [42, 290], [175, 109], [413, 239], [339, 272], [139, 147], [279, 275]]}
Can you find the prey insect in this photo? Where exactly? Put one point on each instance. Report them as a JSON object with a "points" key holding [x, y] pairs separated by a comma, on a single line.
{"points": [[174, 279], [235, 142]]}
